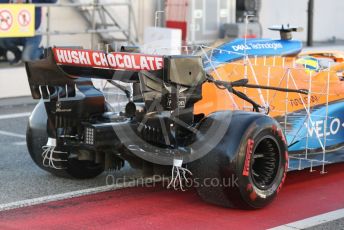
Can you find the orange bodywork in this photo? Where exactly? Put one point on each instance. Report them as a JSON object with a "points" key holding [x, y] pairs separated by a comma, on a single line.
{"points": [[278, 72]]}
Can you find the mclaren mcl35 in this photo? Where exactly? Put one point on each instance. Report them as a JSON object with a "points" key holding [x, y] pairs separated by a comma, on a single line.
{"points": [[248, 110]]}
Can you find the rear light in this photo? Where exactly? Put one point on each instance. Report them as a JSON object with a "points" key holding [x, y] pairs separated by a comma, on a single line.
{"points": [[89, 136]]}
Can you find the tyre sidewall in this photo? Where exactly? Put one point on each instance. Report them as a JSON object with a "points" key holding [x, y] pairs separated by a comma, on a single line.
{"points": [[250, 193]]}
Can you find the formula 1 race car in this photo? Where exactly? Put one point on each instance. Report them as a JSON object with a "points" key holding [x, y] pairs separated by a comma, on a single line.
{"points": [[242, 111]]}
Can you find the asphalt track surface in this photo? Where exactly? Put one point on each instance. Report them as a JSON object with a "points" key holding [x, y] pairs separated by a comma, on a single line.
{"points": [[304, 195]]}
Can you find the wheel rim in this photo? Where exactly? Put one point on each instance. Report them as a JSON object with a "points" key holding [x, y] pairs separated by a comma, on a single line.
{"points": [[265, 163]]}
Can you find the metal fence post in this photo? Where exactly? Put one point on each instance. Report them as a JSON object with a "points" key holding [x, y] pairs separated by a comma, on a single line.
{"points": [[310, 22], [48, 26], [95, 2]]}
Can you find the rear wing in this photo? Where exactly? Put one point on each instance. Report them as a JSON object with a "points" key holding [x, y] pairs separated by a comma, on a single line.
{"points": [[112, 61], [61, 67]]}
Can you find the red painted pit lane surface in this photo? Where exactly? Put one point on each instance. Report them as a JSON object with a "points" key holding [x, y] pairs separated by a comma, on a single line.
{"points": [[304, 195]]}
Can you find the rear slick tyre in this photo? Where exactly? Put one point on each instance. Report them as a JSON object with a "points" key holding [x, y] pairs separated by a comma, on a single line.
{"points": [[249, 165]]}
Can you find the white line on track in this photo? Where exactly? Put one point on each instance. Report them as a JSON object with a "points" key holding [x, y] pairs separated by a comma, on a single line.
{"points": [[12, 134], [19, 143], [14, 115], [63, 196], [312, 221]]}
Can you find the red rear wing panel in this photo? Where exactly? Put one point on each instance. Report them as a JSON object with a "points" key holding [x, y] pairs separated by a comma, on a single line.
{"points": [[113, 60]]}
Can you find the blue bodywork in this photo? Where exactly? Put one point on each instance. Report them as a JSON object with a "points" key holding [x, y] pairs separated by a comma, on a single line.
{"points": [[298, 126], [315, 127], [237, 49], [314, 134]]}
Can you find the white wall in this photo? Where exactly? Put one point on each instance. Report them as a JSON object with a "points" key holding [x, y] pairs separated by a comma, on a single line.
{"points": [[328, 17], [69, 19], [145, 14], [328, 22], [65, 19]]}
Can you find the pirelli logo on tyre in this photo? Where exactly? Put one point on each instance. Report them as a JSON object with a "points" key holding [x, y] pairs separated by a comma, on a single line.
{"points": [[249, 150], [114, 60]]}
